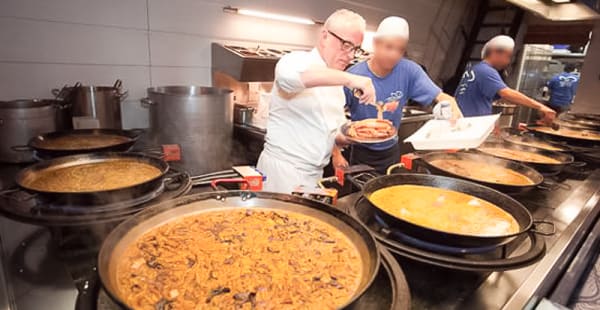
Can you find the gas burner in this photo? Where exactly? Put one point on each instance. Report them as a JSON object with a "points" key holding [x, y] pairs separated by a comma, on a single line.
{"points": [[23, 206], [469, 259], [388, 291]]}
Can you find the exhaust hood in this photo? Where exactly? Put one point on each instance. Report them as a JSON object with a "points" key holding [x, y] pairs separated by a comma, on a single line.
{"points": [[246, 64], [561, 10]]}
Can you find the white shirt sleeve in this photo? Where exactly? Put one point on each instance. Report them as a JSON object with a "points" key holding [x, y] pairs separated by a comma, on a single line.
{"points": [[288, 71]]}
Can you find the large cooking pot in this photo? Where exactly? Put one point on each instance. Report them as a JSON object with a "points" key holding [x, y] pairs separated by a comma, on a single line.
{"points": [[102, 103], [503, 201], [91, 198], [20, 120], [129, 231], [199, 119], [527, 171]]}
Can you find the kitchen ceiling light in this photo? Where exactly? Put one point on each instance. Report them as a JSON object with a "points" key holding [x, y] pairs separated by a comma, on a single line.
{"points": [[561, 1], [273, 16]]}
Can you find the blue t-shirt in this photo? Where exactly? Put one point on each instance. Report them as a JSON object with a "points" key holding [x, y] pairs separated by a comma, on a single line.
{"points": [[406, 81], [478, 87], [562, 88]]}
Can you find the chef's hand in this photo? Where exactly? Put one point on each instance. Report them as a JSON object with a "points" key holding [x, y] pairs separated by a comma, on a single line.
{"points": [[339, 162], [549, 115], [363, 88]]}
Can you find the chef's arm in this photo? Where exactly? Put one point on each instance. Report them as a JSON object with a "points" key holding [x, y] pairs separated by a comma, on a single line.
{"points": [[320, 76], [456, 113], [519, 98]]}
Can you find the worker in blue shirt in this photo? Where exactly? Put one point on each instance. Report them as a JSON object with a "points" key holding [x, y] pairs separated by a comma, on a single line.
{"points": [[396, 80], [481, 84], [562, 89]]}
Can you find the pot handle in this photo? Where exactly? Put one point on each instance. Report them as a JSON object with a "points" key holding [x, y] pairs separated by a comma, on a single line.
{"points": [[122, 95], [243, 183], [21, 148], [118, 84], [64, 92], [537, 224], [146, 102], [361, 179]]}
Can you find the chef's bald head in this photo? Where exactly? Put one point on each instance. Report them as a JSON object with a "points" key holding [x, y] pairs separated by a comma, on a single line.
{"points": [[501, 42], [344, 18]]}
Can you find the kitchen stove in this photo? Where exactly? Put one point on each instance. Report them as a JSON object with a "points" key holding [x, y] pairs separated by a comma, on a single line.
{"points": [[54, 268]]}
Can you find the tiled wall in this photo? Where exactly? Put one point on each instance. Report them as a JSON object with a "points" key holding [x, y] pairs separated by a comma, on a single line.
{"points": [[46, 44]]}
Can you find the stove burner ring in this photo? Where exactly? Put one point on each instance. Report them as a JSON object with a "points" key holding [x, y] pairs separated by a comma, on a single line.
{"points": [[115, 206], [501, 258], [399, 236]]}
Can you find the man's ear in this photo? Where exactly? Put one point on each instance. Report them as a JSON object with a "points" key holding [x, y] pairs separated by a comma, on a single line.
{"points": [[324, 33]]}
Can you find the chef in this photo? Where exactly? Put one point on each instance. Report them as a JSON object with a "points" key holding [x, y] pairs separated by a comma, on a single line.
{"points": [[562, 89], [307, 104], [396, 80], [482, 84]]}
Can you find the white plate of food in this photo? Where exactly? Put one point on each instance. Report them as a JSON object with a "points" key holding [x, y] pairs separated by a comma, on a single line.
{"points": [[369, 131]]}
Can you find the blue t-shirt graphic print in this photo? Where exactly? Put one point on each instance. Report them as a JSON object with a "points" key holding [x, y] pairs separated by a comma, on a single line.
{"points": [[562, 88], [478, 88]]}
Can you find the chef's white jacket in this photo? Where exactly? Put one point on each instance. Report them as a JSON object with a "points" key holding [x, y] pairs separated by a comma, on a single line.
{"points": [[301, 127]]}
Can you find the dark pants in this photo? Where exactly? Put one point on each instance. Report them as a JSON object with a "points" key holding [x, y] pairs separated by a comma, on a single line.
{"points": [[380, 160], [559, 109]]}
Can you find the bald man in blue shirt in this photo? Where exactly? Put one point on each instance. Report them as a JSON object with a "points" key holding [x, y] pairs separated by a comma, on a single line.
{"points": [[481, 84]]}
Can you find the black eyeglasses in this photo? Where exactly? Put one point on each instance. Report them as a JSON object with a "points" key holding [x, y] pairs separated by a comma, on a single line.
{"points": [[348, 46]]}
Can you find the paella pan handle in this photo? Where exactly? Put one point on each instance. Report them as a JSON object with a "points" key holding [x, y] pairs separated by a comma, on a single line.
{"points": [[552, 185], [391, 168], [172, 182], [578, 164], [241, 181], [7, 194], [362, 178], [537, 228], [21, 148]]}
